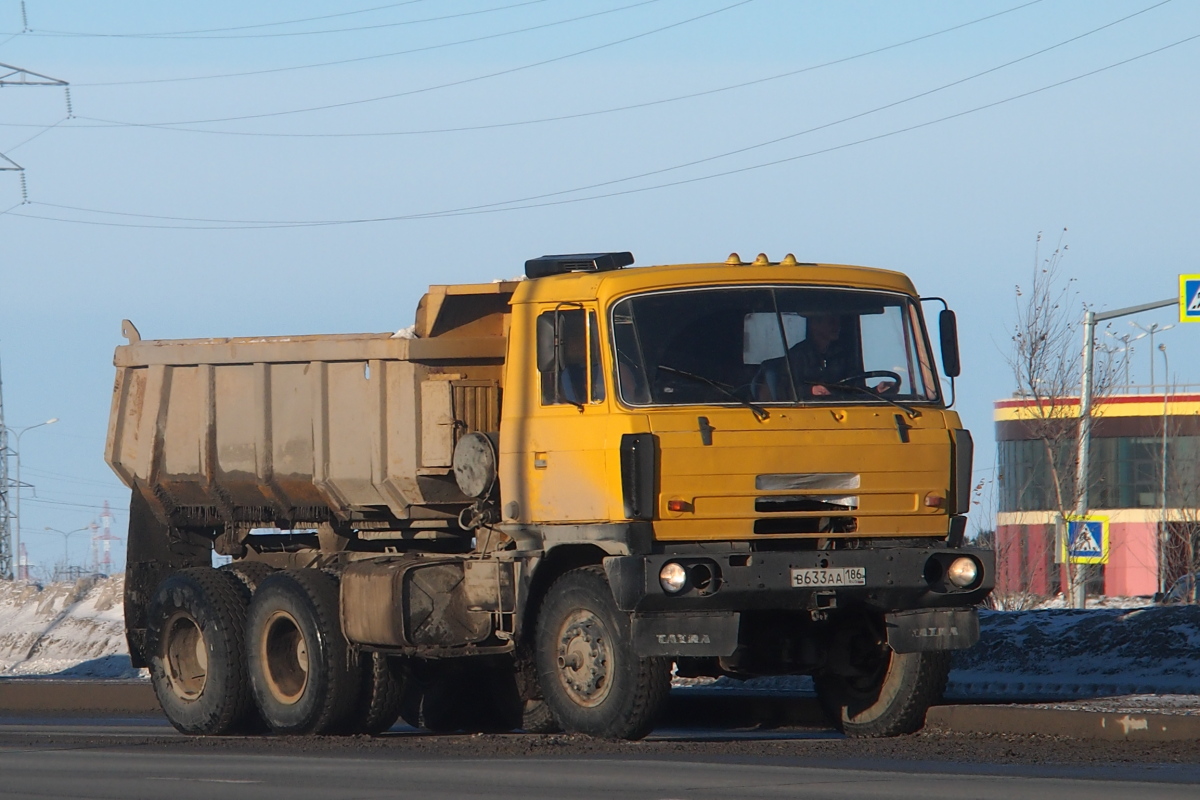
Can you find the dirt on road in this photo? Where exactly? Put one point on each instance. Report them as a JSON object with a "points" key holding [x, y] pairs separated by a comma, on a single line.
{"points": [[791, 746]]}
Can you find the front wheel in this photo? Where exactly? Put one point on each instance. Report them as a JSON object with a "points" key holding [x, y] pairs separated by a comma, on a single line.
{"points": [[591, 678], [888, 696]]}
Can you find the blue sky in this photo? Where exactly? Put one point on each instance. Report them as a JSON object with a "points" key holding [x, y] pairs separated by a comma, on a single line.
{"points": [[956, 202]]}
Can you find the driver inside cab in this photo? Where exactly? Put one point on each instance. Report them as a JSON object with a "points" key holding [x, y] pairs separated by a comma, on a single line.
{"points": [[817, 366]]}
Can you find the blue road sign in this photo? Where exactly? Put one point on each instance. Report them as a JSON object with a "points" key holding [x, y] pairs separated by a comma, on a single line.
{"points": [[1189, 298], [1087, 540]]}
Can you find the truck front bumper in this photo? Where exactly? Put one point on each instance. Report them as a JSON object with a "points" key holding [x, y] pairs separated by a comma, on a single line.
{"points": [[887, 579], [910, 587]]}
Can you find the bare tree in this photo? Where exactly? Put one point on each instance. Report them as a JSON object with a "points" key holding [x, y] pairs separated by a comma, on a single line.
{"points": [[1179, 545], [1045, 359]]}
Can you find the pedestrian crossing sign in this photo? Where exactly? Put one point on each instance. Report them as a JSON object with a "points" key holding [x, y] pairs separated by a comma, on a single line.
{"points": [[1189, 298], [1086, 541]]}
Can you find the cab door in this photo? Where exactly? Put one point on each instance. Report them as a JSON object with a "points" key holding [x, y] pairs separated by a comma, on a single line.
{"points": [[556, 451]]}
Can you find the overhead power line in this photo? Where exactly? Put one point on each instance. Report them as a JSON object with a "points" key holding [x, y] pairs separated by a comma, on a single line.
{"points": [[507, 206], [377, 56], [562, 117], [463, 81], [664, 169], [203, 34], [234, 28]]}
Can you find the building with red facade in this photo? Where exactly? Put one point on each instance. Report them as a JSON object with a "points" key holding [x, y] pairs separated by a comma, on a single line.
{"points": [[1144, 475]]}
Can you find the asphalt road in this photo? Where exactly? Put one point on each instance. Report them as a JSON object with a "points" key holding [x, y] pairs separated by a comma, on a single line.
{"points": [[145, 758]]}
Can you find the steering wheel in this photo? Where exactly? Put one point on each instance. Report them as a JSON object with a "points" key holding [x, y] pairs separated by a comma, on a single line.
{"points": [[877, 373]]}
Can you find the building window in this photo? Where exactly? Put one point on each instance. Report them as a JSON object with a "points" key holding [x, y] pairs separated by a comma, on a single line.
{"points": [[1125, 472]]}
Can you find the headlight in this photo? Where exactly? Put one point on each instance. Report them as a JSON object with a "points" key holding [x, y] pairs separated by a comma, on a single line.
{"points": [[672, 577], [963, 572]]}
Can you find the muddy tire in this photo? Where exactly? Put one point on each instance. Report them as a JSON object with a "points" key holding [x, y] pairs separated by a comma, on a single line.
{"points": [[196, 635], [300, 669], [590, 676], [889, 701], [250, 573], [537, 717], [380, 696]]}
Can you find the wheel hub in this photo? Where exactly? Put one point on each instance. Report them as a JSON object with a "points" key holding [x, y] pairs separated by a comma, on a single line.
{"points": [[285, 654], [584, 657], [185, 657]]}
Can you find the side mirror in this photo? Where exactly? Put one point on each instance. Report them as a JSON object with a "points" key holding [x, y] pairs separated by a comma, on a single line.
{"points": [[546, 356], [948, 333]]}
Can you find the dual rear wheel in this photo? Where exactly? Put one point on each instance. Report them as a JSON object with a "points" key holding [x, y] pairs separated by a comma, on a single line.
{"points": [[234, 651]]}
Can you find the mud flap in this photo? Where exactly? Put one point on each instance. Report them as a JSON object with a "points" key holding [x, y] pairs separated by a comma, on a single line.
{"points": [[685, 634], [926, 630]]}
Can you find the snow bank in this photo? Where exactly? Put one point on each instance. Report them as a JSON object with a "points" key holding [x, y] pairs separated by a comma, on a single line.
{"points": [[68, 630], [1070, 654]]}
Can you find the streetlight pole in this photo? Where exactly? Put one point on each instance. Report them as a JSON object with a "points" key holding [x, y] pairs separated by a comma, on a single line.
{"points": [[1078, 572], [17, 506], [66, 540], [1128, 339], [1153, 329], [1162, 534]]}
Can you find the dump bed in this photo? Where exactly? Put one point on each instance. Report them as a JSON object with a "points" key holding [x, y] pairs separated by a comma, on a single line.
{"points": [[304, 429]]}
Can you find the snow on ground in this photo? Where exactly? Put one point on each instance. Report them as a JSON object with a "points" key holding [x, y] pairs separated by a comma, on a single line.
{"points": [[1065, 654], [65, 630]]}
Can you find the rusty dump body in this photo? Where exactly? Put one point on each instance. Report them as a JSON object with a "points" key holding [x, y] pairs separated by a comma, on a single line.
{"points": [[294, 431]]}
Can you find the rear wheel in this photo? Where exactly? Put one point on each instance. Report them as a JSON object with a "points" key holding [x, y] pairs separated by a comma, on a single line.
{"points": [[250, 573], [536, 717], [590, 676], [877, 692], [379, 698], [299, 665], [197, 644]]}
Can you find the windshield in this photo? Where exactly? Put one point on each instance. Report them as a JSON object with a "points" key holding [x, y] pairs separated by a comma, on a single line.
{"points": [[771, 345]]}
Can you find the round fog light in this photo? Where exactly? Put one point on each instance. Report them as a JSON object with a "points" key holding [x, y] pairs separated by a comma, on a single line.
{"points": [[672, 577], [963, 572]]}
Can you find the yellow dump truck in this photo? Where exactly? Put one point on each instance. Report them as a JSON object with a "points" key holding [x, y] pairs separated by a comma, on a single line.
{"points": [[531, 507]]}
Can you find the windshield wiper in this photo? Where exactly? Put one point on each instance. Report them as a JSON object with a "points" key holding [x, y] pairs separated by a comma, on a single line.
{"points": [[759, 412], [912, 412]]}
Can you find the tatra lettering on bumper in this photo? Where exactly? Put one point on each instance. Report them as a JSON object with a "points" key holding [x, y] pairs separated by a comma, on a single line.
{"points": [[924, 630], [686, 634]]}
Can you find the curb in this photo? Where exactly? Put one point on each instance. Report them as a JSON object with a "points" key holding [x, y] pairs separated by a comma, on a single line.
{"points": [[1095, 725], [81, 697], [694, 708]]}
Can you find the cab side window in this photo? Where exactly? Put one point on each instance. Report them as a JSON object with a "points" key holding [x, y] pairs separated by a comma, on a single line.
{"points": [[597, 374], [571, 374]]}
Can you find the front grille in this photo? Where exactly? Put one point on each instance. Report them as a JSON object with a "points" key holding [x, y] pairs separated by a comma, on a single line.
{"points": [[794, 504]]}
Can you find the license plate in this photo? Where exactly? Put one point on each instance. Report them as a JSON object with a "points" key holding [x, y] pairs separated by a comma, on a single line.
{"points": [[830, 576]]}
